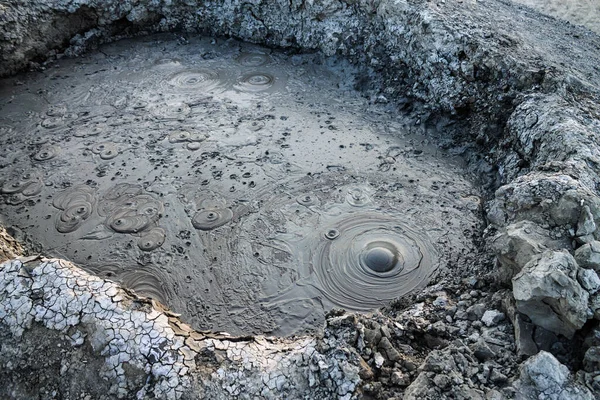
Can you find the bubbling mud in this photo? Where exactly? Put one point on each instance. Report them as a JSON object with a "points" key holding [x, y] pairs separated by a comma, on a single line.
{"points": [[195, 81], [250, 190], [373, 259]]}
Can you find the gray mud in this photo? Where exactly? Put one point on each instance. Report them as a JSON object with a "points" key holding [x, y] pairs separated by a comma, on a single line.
{"points": [[250, 190]]}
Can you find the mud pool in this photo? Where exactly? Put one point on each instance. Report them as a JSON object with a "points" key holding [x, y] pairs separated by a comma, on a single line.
{"points": [[250, 190]]}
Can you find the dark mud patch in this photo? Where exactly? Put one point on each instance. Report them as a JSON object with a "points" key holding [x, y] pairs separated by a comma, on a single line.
{"points": [[251, 190]]}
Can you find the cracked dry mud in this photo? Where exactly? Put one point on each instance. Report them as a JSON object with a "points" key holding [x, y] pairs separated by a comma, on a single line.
{"points": [[513, 92]]}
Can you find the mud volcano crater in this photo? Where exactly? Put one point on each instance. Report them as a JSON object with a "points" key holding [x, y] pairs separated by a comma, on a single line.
{"points": [[401, 195], [251, 190]]}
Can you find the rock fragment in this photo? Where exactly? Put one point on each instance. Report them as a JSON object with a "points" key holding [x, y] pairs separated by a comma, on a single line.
{"points": [[547, 291], [492, 317], [588, 255]]}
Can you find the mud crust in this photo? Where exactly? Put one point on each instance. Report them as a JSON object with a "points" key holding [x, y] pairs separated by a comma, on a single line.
{"points": [[521, 89]]}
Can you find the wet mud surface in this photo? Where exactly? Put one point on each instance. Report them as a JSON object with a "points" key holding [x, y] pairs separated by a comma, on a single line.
{"points": [[249, 190]]}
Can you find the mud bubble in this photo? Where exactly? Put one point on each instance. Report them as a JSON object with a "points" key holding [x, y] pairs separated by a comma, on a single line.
{"points": [[373, 259]]}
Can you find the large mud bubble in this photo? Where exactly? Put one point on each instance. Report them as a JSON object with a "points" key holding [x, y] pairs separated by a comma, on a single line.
{"points": [[249, 190]]}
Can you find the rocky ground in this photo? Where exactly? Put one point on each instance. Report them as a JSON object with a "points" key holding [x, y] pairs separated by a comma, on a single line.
{"points": [[579, 12], [522, 92]]}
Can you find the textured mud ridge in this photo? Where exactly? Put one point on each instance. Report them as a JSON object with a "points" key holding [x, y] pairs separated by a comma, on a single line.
{"points": [[211, 176], [519, 87]]}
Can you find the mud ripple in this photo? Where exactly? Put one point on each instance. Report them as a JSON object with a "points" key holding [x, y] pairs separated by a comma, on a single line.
{"points": [[47, 152], [106, 150], [357, 197], [253, 59], [152, 239], [206, 220], [172, 111], [256, 82], [76, 205], [128, 221], [130, 211], [366, 260], [196, 80], [146, 283], [20, 187], [149, 281]]}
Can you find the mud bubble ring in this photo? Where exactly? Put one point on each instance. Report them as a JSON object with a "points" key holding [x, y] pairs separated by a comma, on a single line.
{"points": [[196, 80], [47, 152], [357, 197], [179, 137], [209, 219], [77, 205], [106, 150], [128, 221], [27, 184], [367, 260], [152, 239], [307, 200], [256, 82], [253, 59]]}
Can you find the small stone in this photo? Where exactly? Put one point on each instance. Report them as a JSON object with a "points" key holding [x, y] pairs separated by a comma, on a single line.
{"points": [[588, 255], [492, 317], [378, 359], [475, 312], [544, 372], [399, 379], [589, 280], [365, 372], [482, 351], [497, 377], [442, 381]]}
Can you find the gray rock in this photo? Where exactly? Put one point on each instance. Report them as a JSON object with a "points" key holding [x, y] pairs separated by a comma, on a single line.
{"points": [[482, 351], [492, 317], [543, 377], [591, 360], [595, 305], [586, 225], [588, 255], [547, 292], [526, 346], [518, 243], [545, 373], [589, 280], [388, 350], [566, 211], [475, 312]]}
